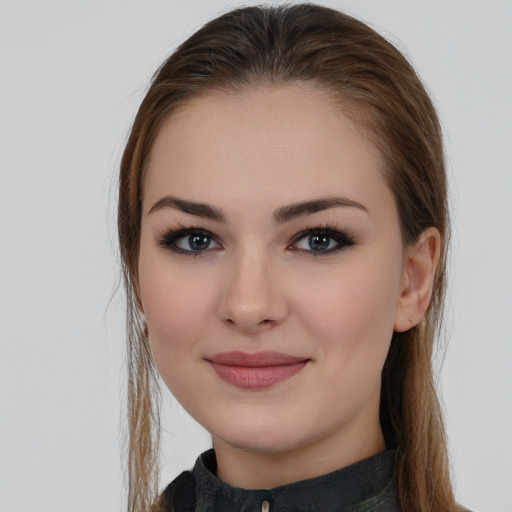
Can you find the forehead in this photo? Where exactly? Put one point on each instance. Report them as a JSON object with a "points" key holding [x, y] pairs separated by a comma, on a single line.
{"points": [[273, 144]]}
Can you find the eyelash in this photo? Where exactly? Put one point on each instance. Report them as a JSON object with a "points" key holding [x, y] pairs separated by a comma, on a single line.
{"points": [[343, 239], [169, 239]]}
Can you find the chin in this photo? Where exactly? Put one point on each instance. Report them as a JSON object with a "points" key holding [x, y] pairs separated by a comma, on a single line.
{"points": [[269, 438]]}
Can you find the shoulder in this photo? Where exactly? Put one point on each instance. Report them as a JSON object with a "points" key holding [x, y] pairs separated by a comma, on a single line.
{"points": [[180, 494]]}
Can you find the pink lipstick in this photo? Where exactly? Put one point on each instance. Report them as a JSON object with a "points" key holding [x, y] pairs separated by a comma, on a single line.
{"points": [[256, 371]]}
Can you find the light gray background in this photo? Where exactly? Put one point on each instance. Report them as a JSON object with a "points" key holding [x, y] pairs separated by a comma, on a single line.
{"points": [[72, 75]]}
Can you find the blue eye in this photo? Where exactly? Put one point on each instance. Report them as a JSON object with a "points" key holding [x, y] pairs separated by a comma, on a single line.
{"points": [[194, 242], [315, 241], [189, 241], [321, 241]]}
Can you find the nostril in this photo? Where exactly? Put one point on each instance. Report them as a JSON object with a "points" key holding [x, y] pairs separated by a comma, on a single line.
{"points": [[249, 327]]}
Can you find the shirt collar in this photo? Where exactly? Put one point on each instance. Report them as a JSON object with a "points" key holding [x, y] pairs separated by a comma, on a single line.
{"points": [[361, 486]]}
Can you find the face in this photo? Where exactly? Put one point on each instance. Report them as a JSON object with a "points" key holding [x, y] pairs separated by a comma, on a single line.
{"points": [[270, 268]]}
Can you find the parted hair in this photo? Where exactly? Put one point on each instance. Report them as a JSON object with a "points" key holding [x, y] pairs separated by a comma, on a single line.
{"points": [[373, 84]]}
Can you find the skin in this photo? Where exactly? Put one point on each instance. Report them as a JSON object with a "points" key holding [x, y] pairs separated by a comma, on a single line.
{"points": [[254, 288]]}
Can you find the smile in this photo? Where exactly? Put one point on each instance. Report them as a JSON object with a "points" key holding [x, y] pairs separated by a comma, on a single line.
{"points": [[256, 371]]}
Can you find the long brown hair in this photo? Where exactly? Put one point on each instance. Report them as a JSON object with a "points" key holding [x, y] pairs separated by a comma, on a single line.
{"points": [[371, 82]]}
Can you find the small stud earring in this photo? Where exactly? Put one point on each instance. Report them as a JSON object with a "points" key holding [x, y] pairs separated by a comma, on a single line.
{"points": [[411, 319]]}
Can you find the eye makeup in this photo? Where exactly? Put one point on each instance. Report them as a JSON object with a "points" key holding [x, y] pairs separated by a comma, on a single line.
{"points": [[314, 240], [198, 240], [322, 240]]}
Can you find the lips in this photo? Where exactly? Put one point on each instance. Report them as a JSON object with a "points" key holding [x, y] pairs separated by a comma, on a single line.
{"points": [[256, 371]]}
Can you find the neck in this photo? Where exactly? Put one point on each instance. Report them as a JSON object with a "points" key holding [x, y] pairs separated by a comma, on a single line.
{"points": [[251, 469]]}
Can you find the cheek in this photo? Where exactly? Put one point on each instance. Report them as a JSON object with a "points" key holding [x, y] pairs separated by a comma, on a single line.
{"points": [[352, 316], [177, 302]]}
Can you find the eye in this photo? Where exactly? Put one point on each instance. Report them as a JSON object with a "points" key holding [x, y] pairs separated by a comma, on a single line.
{"points": [[189, 241], [321, 241]]}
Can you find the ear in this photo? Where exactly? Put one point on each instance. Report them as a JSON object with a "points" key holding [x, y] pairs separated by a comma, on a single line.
{"points": [[421, 260]]}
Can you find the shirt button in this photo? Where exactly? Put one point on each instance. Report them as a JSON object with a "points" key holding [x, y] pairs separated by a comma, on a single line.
{"points": [[265, 506]]}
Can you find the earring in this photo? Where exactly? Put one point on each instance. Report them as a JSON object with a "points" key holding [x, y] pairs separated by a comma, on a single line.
{"points": [[411, 319]]}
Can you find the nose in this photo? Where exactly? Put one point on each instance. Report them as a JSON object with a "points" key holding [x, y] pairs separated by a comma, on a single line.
{"points": [[253, 299]]}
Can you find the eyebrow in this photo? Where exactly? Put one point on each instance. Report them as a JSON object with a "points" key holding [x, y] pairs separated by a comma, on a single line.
{"points": [[281, 215], [191, 207], [292, 211]]}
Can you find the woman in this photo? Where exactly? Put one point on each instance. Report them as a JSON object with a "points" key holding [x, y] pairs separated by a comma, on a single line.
{"points": [[283, 228]]}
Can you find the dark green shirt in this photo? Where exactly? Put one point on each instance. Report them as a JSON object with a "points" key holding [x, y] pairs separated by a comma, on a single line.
{"points": [[367, 486]]}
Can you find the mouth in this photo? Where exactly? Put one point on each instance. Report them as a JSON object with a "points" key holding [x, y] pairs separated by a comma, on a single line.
{"points": [[256, 371]]}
